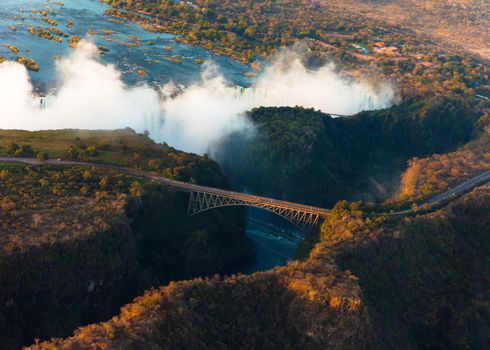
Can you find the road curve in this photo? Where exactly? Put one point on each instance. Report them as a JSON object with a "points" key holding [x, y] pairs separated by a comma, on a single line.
{"points": [[459, 189], [179, 185], [450, 194]]}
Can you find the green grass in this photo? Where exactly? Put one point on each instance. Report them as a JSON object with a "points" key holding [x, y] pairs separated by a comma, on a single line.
{"points": [[56, 142], [122, 147]]}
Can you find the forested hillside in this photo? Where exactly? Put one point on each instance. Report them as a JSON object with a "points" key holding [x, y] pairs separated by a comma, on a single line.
{"points": [[106, 257], [426, 176], [426, 282], [307, 156], [102, 238], [121, 147], [77, 243], [415, 283]]}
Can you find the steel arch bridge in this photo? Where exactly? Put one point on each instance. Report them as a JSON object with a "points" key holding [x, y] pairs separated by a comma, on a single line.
{"points": [[203, 198], [306, 218]]}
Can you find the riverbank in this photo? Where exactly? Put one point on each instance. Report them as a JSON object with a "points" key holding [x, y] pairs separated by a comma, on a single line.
{"points": [[146, 22], [87, 20]]}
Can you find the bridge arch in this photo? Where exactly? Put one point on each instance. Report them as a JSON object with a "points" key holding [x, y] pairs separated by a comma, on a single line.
{"points": [[305, 220]]}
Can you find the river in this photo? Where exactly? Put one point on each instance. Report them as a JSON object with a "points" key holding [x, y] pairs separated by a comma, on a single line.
{"points": [[132, 50], [275, 240]]}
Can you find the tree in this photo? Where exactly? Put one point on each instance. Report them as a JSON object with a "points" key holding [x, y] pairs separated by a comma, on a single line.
{"points": [[250, 31], [12, 147], [42, 156], [86, 175], [104, 182], [135, 189], [72, 153], [25, 150], [4, 174], [36, 220], [91, 151], [7, 204]]}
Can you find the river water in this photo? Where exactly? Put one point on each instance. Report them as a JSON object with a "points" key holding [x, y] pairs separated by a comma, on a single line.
{"points": [[275, 239], [131, 49]]}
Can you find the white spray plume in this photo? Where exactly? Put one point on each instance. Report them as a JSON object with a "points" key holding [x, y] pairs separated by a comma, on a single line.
{"points": [[287, 82], [91, 95]]}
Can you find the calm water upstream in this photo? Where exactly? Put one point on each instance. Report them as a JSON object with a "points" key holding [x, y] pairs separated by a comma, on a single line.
{"points": [[132, 49]]}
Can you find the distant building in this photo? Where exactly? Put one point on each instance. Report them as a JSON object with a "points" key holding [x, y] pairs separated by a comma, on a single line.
{"points": [[360, 48]]}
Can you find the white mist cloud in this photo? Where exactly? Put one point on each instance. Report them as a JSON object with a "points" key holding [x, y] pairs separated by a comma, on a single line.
{"points": [[288, 83], [91, 95], [198, 116]]}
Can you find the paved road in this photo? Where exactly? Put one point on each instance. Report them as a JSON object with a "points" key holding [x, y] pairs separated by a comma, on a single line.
{"points": [[435, 201], [459, 189], [450, 194], [179, 185]]}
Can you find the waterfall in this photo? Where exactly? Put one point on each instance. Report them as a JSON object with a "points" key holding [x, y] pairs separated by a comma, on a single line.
{"points": [[43, 102]]}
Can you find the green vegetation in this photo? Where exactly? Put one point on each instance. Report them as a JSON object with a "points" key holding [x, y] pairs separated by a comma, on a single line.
{"points": [[121, 147], [74, 236], [12, 48], [456, 24], [307, 156], [176, 247], [426, 176], [67, 259], [28, 62], [73, 41], [50, 33], [251, 30], [79, 242], [426, 281], [386, 284]]}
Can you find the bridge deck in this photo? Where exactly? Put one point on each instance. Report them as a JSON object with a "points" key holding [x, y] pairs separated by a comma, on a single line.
{"points": [[182, 186], [188, 187]]}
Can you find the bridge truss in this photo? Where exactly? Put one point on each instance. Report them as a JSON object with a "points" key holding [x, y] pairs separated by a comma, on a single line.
{"points": [[306, 220], [203, 198]]}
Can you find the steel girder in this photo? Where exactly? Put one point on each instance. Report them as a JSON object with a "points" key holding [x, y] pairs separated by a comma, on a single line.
{"points": [[306, 221]]}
